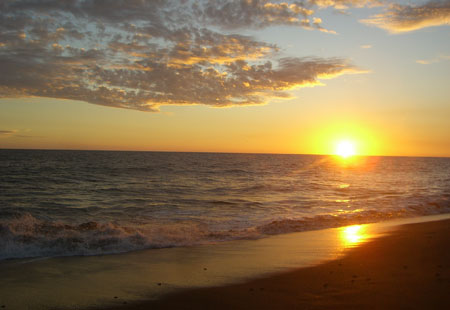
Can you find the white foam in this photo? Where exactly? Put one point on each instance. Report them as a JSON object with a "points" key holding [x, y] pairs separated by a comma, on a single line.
{"points": [[26, 236]]}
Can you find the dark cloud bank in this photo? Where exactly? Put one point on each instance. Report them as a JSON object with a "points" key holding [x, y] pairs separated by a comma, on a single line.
{"points": [[140, 54]]}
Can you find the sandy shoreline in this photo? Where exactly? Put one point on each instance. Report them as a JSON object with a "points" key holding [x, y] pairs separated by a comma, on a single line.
{"points": [[409, 269]]}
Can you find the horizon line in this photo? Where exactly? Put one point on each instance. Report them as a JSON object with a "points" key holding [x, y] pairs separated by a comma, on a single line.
{"points": [[208, 152]]}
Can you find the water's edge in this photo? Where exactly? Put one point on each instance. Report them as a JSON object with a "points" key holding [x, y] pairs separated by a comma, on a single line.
{"points": [[67, 282]]}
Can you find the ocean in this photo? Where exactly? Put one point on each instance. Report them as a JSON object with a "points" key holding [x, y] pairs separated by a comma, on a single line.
{"points": [[88, 203]]}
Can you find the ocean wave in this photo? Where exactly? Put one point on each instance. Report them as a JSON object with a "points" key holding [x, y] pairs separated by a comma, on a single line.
{"points": [[27, 236], [438, 206], [328, 221]]}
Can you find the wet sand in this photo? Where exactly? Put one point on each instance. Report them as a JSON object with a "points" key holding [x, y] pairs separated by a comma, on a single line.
{"points": [[408, 269]]}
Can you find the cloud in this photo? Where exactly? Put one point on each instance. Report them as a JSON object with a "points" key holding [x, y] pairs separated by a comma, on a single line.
{"points": [[255, 14], [7, 132], [366, 46], [345, 4], [148, 53], [235, 14], [14, 133], [434, 60], [404, 18]]}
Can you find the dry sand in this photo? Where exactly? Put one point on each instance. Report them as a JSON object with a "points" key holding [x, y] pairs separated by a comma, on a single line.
{"points": [[409, 269]]}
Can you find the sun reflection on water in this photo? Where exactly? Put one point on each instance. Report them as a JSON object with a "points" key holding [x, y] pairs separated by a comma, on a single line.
{"points": [[353, 235]]}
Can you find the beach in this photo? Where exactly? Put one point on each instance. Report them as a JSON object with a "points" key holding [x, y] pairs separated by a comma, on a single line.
{"points": [[232, 154], [406, 269]]}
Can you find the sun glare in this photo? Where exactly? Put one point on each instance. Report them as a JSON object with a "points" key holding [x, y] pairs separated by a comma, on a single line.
{"points": [[353, 235], [345, 149]]}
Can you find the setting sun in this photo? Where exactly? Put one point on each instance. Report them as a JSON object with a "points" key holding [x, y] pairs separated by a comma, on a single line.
{"points": [[345, 149]]}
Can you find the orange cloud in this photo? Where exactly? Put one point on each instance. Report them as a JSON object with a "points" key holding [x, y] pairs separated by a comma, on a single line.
{"points": [[405, 18], [433, 60]]}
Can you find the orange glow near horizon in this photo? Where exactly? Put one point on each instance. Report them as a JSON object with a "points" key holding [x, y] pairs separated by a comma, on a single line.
{"points": [[347, 138], [102, 128]]}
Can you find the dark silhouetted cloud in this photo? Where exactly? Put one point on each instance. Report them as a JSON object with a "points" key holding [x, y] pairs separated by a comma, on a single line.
{"points": [[404, 18], [142, 54], [7, 132]]}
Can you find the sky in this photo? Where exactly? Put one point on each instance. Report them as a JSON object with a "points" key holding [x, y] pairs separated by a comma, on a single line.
{"points": [[250, 76]]}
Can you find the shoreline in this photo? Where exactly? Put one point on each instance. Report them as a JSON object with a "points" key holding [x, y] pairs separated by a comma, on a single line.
{"points": [[407, 269], [152, 278]]}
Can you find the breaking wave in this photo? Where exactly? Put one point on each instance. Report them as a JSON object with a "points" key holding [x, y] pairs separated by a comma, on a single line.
{"points": [[27, 236]]}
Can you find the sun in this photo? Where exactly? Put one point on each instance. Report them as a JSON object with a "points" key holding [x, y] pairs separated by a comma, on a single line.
{"points": [[345, 149]]}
